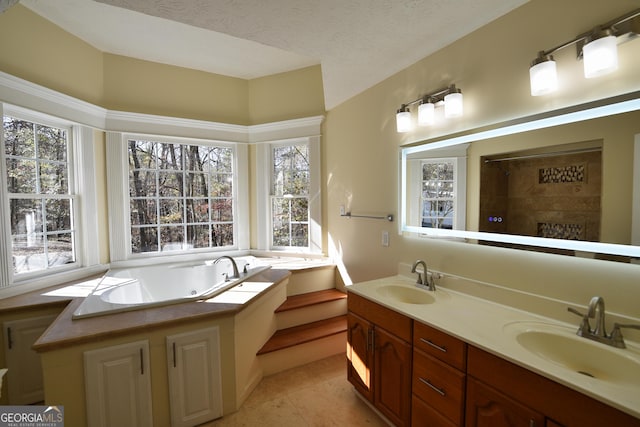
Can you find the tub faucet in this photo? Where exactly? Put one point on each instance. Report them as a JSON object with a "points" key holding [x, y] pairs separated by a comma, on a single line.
{"points": [[236, 274], [428, 282]]}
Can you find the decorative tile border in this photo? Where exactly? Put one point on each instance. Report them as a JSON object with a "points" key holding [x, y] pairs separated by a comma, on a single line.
{"points": [[561, 231], [553, 175]]}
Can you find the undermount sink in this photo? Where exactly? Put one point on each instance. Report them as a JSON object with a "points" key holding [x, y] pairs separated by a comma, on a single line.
{"points": [[406, 294], [561, 346]]}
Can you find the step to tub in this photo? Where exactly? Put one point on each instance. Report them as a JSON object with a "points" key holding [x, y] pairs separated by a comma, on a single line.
{"points": [[295, 302], [291, 337]]}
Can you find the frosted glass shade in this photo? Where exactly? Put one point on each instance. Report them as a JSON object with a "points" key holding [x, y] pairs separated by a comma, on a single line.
{"points": [[426, 114], [543, 77], [453, 105], [403, 121], [600, 56]]}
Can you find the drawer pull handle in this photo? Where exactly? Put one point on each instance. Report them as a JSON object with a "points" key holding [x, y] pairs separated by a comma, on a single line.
{"points": [[434, 388], [429, 342]]}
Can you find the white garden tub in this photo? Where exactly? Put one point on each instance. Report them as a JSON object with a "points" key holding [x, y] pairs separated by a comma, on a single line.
{"points": [[142, 287]]}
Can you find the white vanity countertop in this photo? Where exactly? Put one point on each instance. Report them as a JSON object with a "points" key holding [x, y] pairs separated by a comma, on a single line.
{"points": [[492, 327]]}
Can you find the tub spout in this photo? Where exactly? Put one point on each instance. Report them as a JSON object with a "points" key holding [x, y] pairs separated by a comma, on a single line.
{"points": [[236, 274]]}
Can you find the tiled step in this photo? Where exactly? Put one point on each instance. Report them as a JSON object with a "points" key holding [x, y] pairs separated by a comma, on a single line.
{"points": [[312, 298], [291, 337]]}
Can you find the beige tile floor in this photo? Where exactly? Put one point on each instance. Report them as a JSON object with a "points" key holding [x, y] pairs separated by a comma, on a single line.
{"points": [[313, 395]]}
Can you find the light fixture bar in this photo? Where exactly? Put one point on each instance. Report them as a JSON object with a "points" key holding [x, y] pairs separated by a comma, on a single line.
{"points": [[450, 96], [579, 40], [599, 45]]}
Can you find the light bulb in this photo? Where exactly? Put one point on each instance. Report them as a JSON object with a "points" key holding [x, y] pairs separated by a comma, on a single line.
{"points": [[403, 120], [453, 105], [426, 114], [600, 56], [543, 76]]}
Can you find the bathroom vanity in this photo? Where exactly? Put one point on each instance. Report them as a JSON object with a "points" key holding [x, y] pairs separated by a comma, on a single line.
{"points": [[444, 358]]}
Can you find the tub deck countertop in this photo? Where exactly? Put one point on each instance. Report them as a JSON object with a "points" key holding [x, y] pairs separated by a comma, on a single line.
{"points": [[64, 331]]}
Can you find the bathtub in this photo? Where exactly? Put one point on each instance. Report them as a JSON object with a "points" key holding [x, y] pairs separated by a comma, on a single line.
{"points": [[142, 287]]}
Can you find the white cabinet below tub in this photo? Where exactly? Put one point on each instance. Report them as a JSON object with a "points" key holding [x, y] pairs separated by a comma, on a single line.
{"points": [[24, 378], [195, 381], [118, 386]]}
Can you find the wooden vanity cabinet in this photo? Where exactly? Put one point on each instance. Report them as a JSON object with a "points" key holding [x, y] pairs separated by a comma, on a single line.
{"points": [[439, 378], [379, 357], [500, 393], [489, 407]]}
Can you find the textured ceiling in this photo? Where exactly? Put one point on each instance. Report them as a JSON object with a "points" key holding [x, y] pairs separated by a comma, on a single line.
{"points": [[357, 42]]}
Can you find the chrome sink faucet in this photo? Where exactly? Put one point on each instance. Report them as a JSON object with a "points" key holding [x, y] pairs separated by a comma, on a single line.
{"points": [[596, 311], [236, 274], [428, 282]]}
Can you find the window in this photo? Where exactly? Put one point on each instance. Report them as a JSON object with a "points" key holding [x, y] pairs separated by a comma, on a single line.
{"points": [[435, 196], [40, 193], [181, 196], [438, 202], [290, 196]]}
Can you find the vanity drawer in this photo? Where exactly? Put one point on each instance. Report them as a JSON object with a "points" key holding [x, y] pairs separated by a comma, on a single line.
{"points": [[440, 345], [424, 415], [440, 385]]}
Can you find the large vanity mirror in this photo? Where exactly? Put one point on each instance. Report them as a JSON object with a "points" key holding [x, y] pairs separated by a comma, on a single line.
{"points": [[562, 182]]}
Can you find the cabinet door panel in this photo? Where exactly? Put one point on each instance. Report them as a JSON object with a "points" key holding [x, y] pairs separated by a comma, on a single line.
{"points": [[486, 407], [24, 377], [195, 383], [359, 369], [392, 359], [118, 386]]}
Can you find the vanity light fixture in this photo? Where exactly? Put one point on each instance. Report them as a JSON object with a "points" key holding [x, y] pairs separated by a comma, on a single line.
{"points": [[450, 97], [598, 49], [403, 119]]}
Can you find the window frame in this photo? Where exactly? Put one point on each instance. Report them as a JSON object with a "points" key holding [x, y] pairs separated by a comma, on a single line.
{"points": [[273, 197], [82, 191], [415, 199], [119, 199], [265, 196]]}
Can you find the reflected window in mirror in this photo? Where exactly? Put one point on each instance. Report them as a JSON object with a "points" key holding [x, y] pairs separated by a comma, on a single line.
{"points": [[437, 196]]}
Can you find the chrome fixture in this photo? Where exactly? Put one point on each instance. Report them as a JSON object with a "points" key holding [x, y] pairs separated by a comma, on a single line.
{"points": [[236, 274], [599, 334], [598, 49], [450, 97], [350, 215], [428, 282]]}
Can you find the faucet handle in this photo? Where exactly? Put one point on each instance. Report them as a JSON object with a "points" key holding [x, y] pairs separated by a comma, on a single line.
{"points": [[576, 312], [616, 335], [585, 327]]}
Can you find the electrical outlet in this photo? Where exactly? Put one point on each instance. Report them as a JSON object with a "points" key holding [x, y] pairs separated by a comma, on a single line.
{"points": [[385, 238], [343, 212]]}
